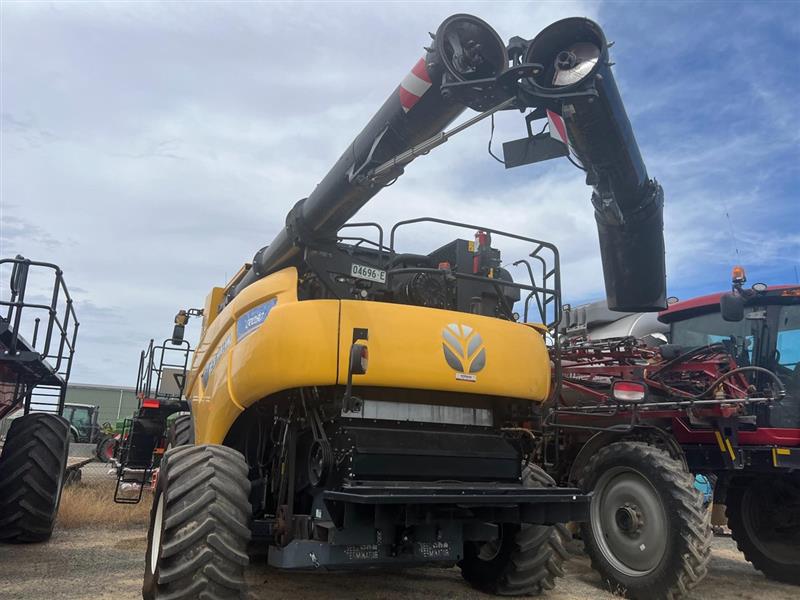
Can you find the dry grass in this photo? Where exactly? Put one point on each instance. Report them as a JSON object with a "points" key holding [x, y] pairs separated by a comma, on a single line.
{"points": [[91, 504]]}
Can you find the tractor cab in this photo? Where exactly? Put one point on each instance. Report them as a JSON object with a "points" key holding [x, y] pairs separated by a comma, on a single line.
{"points": [[759, 326], [83, 424]]}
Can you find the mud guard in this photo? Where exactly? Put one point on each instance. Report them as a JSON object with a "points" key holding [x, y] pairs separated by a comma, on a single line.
{"points": [[619, 433]]}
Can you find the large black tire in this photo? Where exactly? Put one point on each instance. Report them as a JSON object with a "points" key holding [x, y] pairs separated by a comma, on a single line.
{"points": [[199, 526], [181, 432], [649, 535], [525, 560], [32, 476], [764, 519]]}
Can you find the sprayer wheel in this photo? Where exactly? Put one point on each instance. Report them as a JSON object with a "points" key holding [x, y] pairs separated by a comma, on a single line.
{"points": [[764, 518], [32, 476], [649, 535], [199, 526], [525, 559]]}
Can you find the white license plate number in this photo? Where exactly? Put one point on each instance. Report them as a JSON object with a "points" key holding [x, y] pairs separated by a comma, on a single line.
{"points": [[368, 273]]}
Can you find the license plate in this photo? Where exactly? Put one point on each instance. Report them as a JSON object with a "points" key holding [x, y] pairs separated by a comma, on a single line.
{"points": [[369, 273]]}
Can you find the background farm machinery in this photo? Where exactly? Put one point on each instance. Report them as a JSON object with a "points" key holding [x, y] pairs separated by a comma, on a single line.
{"points": [[162, 419], [38, 331], [711, 389]]}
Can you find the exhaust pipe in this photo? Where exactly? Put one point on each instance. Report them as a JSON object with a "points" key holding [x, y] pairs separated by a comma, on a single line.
{"points": [[577, 79]]}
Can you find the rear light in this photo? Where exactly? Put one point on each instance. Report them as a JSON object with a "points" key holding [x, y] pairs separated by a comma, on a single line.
{"points": [[628, 391], [150, 403]]}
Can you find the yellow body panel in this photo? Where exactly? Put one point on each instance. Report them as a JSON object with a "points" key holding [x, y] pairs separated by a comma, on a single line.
{"points": [[284, 343], [406, 350], [211, 307]]}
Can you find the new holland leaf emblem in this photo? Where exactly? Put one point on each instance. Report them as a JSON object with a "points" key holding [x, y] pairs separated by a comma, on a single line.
{"points": [[463, 350]]}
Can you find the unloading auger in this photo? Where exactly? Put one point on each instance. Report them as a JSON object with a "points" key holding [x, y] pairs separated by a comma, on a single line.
{"points": [[565, 75]]}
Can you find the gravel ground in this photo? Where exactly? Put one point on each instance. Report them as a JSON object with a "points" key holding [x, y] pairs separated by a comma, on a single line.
{"points": [[91, 562], [96, 563]]}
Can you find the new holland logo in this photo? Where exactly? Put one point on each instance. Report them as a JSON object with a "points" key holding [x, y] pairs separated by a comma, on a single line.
{"points": [[463, 351]]}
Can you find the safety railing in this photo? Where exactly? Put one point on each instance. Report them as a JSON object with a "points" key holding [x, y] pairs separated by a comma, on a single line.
{"points": [[158, 362], [51, 324], [542, 302]]}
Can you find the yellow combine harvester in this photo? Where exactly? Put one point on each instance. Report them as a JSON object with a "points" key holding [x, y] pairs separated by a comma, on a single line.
{"points": [[356, 405]]}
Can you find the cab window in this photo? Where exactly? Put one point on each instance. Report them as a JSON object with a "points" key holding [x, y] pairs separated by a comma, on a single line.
{"points": [[709, 329], [787, 349], [80, 417]]}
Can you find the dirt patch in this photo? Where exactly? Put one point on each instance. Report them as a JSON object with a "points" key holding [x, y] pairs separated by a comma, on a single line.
{"points": [[108, 562], [92, 503], [139, 541], [83, 563]]}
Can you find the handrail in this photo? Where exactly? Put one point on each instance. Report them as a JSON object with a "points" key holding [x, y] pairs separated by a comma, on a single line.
{"points": [[547, 293], [60, 322], [153, 362]]}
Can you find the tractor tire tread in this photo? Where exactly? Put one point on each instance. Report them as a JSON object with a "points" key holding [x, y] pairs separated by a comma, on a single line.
{"points": [[544, 560], [181, 431], [31, 477], [206, 531], [689, 565], [788, 573], [535, 557]]}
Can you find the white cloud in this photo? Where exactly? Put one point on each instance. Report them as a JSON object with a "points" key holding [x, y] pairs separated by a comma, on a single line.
{"points": [[151, 149]]}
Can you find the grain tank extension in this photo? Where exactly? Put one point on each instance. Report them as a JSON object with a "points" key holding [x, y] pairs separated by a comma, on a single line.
{"points": [[357, 404]]}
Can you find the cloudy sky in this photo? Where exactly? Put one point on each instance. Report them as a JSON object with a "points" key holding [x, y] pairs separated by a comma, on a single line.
{"points": [[150, 149]]}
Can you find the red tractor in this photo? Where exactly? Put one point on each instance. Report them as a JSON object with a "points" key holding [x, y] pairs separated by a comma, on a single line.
{"points": [[712, 387], [162, 419]]}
